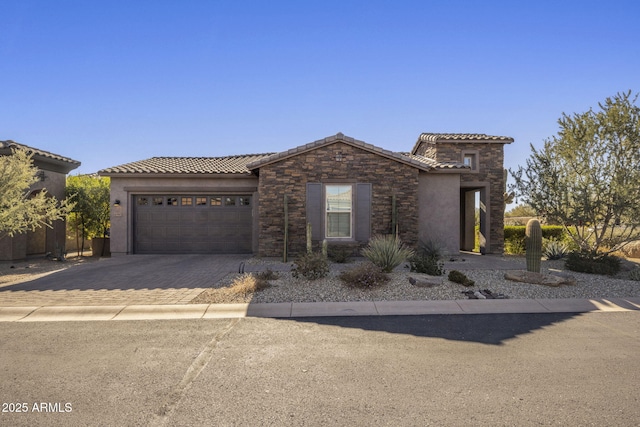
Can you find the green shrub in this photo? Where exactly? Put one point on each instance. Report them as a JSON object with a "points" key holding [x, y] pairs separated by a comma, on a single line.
{"points": [[267, 275], [311, 266], [554, 249], [587, 262], [365, 275], [635, 275], [426, 264], [514, 236], [427, 258], [555, 232], [459, 277], [339, 253], [514, 246], [387, 252]]}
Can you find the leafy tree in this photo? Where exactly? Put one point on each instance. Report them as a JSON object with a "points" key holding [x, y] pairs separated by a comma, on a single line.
{"points": [[90, 216], [521, 211], [586, 178], [21, 209]]}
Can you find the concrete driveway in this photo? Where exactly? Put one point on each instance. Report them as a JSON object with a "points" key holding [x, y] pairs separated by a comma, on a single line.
{"points": [[132, 279]]}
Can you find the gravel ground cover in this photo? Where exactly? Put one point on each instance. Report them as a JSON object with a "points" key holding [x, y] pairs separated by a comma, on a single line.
{"points": [[487, 274]]}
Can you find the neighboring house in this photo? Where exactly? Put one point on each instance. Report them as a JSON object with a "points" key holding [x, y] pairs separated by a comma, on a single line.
{"points": [[52, 172], [343, 187]]}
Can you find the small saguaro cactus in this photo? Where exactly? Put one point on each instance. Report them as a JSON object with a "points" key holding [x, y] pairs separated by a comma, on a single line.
{"points": [[533, 243]]}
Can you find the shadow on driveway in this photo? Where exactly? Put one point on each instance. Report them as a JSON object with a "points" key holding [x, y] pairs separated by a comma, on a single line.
{"points": [[136, 272]]}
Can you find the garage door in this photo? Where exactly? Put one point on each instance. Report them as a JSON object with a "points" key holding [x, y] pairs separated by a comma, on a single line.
{"points": [[183, 224]]}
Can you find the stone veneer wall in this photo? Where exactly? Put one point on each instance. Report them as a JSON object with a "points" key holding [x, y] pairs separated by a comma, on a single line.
{"points": [[290, 176], [491, 167]]}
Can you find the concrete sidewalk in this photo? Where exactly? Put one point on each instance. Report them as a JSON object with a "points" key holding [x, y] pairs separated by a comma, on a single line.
{"points": [[289, 310]]}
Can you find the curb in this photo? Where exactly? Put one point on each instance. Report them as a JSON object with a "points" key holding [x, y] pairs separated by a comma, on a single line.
{"points": [[308, 309]]}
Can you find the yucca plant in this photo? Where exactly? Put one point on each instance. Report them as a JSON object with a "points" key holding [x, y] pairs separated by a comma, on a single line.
{"points": [[387, 252]]}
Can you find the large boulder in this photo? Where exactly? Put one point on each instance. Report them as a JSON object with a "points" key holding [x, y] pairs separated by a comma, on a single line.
{"points": [[558, 279]]}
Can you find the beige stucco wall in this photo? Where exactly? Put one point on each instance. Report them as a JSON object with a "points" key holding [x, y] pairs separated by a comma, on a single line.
{"points": [[439, 210], [124, 188]]}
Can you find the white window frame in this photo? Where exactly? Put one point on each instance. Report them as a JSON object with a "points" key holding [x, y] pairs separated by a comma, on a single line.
{"points": [[327, 211]]}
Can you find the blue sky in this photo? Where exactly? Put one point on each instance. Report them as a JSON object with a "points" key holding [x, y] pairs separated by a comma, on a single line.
{"points": [[110, 82]]}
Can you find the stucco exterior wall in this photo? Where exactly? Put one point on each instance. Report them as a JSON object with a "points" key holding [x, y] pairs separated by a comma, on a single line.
{"points": [[488, 177], [439, 210], [124, 188]]}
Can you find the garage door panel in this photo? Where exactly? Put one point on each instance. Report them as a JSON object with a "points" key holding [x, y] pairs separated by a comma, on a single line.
{"points": [[162, 227]]}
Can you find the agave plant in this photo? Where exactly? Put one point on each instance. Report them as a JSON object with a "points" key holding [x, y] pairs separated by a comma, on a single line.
{"points": [[555, 250]]}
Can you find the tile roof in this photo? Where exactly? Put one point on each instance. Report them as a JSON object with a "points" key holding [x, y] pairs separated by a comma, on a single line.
{"points": [[433, 164], [463, 137], [6, 145], [187, 165], [416, 161]]}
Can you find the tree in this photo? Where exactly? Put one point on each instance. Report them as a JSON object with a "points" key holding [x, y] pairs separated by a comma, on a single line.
{"points": [[22, 209], [586, 178], [90, 216], [521, 211]]}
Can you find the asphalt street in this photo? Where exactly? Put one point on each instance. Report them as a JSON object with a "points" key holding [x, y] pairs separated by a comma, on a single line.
{"points": [[451, 370]]}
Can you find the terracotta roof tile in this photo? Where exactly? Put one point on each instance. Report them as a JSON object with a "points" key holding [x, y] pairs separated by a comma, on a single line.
{"points": [[187, 165]]}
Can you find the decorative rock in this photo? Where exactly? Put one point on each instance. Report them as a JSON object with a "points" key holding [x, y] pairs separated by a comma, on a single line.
{"points": [[540, 279], [425, 282]]}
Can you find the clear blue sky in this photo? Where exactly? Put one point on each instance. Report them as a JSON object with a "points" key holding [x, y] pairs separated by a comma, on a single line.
{"points": [[110, 82]]}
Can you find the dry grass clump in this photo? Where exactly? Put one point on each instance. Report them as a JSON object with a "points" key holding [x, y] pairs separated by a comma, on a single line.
{"points": [[248, 284]]}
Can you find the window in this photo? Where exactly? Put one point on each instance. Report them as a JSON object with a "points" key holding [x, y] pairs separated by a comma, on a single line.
{"points": [[158, 201], [244, 201], [143, 201], [229, 201], [470, 159], [338, 206], [172, 201], [201, 201], [187, 201], [216, 201]]}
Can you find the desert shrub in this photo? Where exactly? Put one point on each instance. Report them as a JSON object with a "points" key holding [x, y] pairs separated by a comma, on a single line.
{"points": [[588, 262], [365, 275], [554, 249], [427, 258], [387, 252], [459, 277], [430, 248], [267, 275], [311, 266], [247, 284], [514, 246], [339, 253], [635, 275], [426, 264], [554, 232]]}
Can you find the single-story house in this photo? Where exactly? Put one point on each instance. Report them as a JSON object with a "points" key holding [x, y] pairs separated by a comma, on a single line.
{"points": [[346, 189], [52, 174]]}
